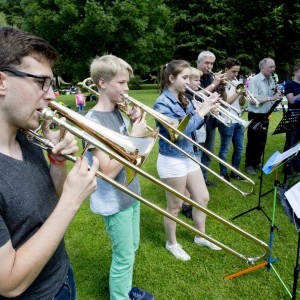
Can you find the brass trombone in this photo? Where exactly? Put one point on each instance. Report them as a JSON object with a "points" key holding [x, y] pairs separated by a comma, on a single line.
{"points": [[174, 123], [82, 131], [178, 131], [224, 163]]}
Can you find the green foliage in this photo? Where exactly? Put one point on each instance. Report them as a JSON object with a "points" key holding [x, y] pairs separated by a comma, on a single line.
{"points": [[138, 31], [135, 82], [2, 19], [148, 34]]}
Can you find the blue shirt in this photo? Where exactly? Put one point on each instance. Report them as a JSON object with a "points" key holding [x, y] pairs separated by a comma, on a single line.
{"points": [[168, 105]]}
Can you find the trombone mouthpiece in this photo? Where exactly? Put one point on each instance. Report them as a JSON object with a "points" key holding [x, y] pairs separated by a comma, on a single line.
{"points": [[47, 114]]}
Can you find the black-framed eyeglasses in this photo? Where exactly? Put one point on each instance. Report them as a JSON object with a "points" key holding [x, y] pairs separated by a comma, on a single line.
{"points": [[45, 80]]}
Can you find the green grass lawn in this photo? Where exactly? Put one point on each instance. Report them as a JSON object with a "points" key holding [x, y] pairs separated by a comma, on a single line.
{"points": [[157, 271]]}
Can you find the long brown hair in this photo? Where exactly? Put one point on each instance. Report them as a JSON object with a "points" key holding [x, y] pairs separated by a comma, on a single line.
{"points": [[173, 68]]}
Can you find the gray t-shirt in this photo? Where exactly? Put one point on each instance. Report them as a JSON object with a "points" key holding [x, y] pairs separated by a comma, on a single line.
{"points": [[27, 198], [108, 200]]}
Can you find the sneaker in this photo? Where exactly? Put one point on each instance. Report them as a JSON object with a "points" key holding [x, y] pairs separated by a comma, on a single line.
{"points": [[210, 183], [237, 177], [138, 294], [250, 170], [186, 210], [178, 252], [226, 177], [203, 242]]}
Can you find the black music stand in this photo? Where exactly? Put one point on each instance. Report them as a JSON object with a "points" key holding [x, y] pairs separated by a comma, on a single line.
{"points": [[290, 121], [273, 163], [260, 125]]}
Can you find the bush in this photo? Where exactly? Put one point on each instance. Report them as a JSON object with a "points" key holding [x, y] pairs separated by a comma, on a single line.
{"points": [[135, 83]]}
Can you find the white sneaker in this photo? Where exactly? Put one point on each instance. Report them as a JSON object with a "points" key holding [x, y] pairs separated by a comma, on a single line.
{"points": [[177, 251], [203, 242]]}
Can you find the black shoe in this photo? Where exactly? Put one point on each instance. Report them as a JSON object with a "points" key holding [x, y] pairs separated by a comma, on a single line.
{"points": [[250, 170], [237, 177], [138, 294], [257, 167], [226, 177], [186, 210], [210, 183]]}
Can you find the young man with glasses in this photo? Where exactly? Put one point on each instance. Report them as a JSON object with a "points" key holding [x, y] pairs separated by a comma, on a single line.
{"points": [[37, 201]]}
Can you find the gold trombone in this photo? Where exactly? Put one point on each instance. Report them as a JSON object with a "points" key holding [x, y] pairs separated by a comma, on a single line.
{"points": [[224, 163], [178, 131], [174, 123], [82, 131]]}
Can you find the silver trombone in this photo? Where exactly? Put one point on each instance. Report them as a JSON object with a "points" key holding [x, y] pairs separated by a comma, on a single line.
{"points": [[225, 117], [224, 103]]}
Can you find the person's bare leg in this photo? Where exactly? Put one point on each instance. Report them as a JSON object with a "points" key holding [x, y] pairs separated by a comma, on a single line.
{"points": [[199, 193], [173, 206]]}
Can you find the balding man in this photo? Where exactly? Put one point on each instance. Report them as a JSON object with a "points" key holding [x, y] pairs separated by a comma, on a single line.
{"points": [[263, 87]]}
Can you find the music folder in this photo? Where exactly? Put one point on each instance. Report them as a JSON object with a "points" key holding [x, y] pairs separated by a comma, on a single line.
{"points": [[278, 158]]}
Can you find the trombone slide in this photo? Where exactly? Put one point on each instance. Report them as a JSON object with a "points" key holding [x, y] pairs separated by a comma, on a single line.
{"points": [[77, 120]]}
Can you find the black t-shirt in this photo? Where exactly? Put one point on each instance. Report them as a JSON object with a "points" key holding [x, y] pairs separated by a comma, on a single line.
{"points": [[27, 198], [206, 80], [294, 88]]}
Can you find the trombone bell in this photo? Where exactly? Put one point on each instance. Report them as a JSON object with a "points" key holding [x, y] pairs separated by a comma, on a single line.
{"points": [[134, 149]]}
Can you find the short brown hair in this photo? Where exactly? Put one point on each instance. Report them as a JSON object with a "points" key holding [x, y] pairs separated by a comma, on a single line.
{"points": [[231, 62], [17, 44]]}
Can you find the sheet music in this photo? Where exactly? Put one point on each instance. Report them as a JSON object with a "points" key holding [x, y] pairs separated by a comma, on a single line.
{"points": [[286, 154], [277, 158], [293, 196]]}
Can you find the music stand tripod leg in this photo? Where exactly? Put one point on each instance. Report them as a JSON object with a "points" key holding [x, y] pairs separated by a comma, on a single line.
{"points": [[258, 206], [270, 261]]}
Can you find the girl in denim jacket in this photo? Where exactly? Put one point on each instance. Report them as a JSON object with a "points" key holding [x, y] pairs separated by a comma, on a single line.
{"points": [[174, 168]]}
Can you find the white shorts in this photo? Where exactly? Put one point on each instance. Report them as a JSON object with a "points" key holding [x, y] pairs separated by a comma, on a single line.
{"points": [[169, 167]]}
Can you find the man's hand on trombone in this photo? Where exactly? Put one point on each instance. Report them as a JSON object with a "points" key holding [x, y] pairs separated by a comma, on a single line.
{"points": [[64, 142]]}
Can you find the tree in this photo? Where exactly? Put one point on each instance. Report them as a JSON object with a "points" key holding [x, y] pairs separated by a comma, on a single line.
{"points": [[138, 31], [265, 28], [247, 30], [148, 33]]}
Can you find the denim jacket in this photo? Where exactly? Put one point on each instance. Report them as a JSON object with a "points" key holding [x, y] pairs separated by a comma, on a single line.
{"points": [[168, 105]]}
